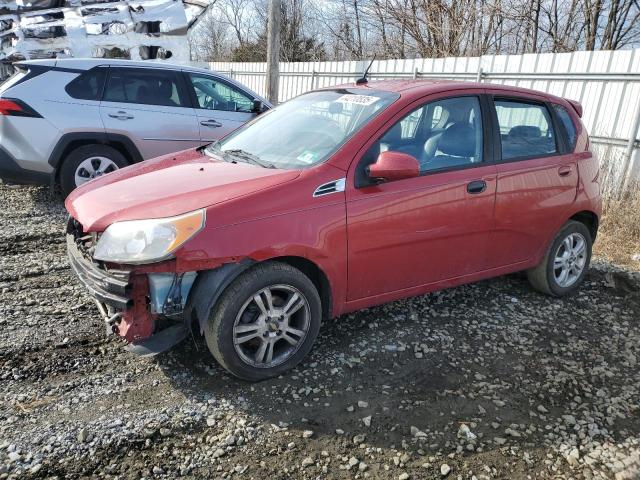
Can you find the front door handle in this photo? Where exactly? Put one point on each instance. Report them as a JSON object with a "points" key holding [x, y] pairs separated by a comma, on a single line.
{"points": [[210, 123], [564, 171], [477, 186], [121, 115]]}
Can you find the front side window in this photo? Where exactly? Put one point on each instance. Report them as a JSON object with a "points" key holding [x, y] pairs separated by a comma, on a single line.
{"points": [[304, 131], [525, 130], [147, 87], [212, 94], [88, 85], [442, 134], [569, 126]]}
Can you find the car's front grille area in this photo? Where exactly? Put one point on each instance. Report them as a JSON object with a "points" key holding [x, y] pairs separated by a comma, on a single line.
{"points": [[85, 242]]}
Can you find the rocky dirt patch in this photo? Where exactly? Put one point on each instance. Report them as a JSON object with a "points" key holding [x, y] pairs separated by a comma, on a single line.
{"points": [[490, 380]]}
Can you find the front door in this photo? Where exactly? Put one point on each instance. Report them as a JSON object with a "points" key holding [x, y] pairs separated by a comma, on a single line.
{"points": [[412, 232], [220, 106], [151, 107], [537, 180]]}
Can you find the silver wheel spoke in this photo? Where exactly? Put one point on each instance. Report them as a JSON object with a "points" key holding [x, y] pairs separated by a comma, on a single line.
{"points": [[258, 299], [563, 276], [265, 352], [294, 304], [246, 338]]}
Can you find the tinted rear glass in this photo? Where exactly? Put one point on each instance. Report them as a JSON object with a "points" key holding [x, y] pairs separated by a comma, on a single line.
{"points": [[569, 126], [88, 85], [148, 87]]}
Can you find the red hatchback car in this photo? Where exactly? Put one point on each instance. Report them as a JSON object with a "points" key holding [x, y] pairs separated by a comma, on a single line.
{"points": [[337, 200]]}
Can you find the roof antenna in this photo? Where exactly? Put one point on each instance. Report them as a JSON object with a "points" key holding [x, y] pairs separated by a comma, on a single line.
{"points": [[363, 80]]}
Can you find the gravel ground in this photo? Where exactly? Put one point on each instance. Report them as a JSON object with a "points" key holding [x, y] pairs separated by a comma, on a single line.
{"points": [[483, 381]]}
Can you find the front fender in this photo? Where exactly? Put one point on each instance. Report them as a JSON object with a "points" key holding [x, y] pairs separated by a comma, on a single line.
{"points": [[207, 289]]}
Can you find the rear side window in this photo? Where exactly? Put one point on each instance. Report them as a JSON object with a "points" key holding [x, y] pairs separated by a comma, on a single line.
{"points": [[569, 126], [88, 85], [525, 130], [148, 87]]}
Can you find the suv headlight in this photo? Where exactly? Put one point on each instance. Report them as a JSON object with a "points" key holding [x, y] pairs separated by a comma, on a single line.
{"points": [[147, 241]]}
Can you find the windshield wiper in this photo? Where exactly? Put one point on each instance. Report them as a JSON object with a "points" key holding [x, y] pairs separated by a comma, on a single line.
{"points": [[247, 157]]}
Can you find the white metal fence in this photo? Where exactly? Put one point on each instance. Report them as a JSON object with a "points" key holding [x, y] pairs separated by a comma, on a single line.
{"points": [[606, 83]]}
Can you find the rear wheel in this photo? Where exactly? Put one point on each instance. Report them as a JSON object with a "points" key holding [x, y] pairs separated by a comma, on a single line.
{"points": [[566, 262], [265, 322], [88, 162]]}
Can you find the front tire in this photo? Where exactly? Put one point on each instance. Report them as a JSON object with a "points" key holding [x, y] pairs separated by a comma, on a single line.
{"points": [[265, 322], [566, 262], [88, 162]]}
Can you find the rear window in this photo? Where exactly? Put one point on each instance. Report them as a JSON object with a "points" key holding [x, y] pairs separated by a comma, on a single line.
{"points": [[88, 85], [148, 87], [525, 130], [568, 124]]}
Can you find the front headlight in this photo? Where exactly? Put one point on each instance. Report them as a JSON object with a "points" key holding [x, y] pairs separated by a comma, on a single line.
{"points": [[147, 241]]}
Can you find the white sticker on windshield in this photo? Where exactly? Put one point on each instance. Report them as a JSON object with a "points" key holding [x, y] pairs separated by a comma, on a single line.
{"points": [[307, 157], [358, 99]]}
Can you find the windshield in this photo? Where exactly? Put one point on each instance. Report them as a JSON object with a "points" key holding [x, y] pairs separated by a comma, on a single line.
{"points": [[304, 131]]}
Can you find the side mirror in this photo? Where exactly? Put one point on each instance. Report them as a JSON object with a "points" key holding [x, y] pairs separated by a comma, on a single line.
{"points": [[258, 107], [394, 166]]}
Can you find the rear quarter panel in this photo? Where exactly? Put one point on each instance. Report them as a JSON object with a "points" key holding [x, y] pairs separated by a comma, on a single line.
{"points": [[32, 140]]}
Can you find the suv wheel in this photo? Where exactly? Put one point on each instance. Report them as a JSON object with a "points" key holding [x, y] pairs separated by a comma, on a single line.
{"points": [[88, 162], [265, 322], [566, 263]]}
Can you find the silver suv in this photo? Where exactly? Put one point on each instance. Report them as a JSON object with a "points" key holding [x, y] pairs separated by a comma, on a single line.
{"points": [[69, 120]]}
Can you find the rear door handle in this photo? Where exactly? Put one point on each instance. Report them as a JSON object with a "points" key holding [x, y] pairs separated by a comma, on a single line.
{"points": [[121, 115], [565, 170], [210, 123], [477, 186]]}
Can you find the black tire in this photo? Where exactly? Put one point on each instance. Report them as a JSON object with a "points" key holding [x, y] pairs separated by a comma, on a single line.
{"points": [[79, 155], [219, 330], [543, 277]]}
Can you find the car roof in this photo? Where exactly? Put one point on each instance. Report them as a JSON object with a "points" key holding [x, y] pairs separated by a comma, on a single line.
{"points": [[416, 88], [87, 63]]}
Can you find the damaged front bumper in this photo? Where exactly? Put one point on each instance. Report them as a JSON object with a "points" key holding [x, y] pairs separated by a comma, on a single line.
{"points": [[144, 308]]}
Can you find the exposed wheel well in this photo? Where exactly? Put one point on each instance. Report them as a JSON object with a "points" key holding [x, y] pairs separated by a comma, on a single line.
{"points": [[590, 220], [317, 276]]}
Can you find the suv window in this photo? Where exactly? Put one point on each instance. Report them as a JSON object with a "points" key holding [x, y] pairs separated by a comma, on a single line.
{"points": [[569, 126], [214, 94], [148, 87], [88, 85], [525, 130]]}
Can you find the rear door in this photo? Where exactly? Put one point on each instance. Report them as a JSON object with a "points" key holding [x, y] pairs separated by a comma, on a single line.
{"points": [[221, 107], [537, 178], [151, 106]]}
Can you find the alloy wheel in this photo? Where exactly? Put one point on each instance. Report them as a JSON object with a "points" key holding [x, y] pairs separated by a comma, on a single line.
{"points": [[271, 326], [570, 260]]}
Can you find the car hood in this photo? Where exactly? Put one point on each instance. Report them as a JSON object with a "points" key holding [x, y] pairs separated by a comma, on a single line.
{"points": [[167, 186]]}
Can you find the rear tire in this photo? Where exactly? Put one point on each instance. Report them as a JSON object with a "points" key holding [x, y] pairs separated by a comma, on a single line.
{"points": [[265, 322], [565, 263], [88, 162]]}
